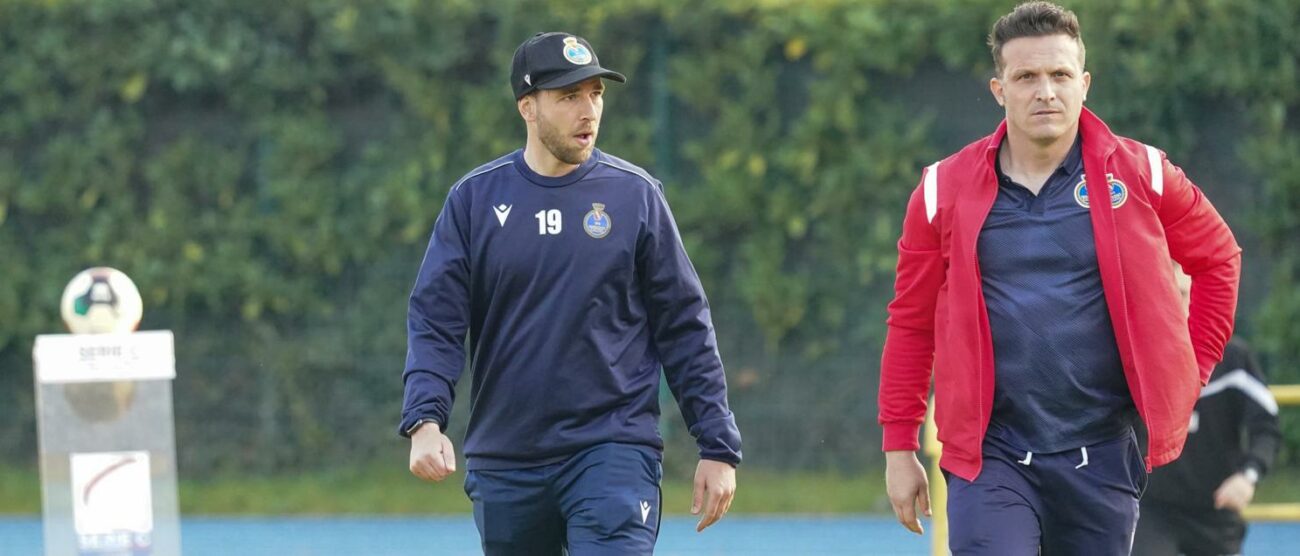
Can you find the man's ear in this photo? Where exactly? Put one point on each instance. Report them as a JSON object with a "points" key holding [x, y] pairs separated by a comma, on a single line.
{"points": [[995, 87], [527, 107]]}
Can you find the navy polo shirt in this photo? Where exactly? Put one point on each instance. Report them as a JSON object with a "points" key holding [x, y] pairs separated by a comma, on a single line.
{"points": [[1059, 382]]}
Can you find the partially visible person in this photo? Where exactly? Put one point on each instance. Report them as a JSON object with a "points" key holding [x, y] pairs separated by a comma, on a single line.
{"points": [[1193, 505]]}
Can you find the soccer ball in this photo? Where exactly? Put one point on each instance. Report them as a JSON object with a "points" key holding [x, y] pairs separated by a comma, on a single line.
{"points": [[101, 300]]}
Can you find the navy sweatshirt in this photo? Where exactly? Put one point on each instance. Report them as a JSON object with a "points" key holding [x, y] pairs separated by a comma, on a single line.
{"points": [[574, 291]]}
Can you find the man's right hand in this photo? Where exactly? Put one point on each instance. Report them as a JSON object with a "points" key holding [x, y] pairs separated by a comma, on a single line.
{"points": [[1235, 493], [432, 456], [906, 484]]}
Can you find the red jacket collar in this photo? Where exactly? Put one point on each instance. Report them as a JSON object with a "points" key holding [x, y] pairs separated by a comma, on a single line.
{"points": [[1097, 137]]}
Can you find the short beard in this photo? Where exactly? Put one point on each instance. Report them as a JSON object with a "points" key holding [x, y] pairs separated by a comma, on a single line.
{"points": [[555, 142]]}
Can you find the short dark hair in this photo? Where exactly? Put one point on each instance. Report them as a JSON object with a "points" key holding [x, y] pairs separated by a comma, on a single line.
{"points": [[1033, 19]]}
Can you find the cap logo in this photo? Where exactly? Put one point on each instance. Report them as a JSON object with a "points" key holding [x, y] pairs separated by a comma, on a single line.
{"points": [[575, 52], [528, 79]]}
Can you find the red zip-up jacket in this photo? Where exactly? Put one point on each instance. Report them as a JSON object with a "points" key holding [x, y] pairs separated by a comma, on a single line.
{"points": [[938, 318]]}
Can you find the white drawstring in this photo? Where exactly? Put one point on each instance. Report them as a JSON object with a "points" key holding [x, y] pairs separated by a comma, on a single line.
{"points": [[1029, 456]]}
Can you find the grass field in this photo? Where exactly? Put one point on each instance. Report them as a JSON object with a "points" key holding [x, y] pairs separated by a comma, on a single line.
{"points": [[393, 491]]}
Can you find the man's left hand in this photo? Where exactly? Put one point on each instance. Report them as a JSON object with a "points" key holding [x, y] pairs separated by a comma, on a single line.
{"points": [[1235, 492], [715, 486]]}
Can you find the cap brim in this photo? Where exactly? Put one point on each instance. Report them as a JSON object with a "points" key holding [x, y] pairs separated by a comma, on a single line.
{"points": [[579, 75]]}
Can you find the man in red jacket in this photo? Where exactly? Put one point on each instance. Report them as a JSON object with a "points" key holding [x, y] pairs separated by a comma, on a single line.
{"points": [[1033, 278]]}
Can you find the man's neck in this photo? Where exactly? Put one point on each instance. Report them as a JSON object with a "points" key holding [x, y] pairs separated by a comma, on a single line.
{"points": [[541, 161], [1030, 163]]}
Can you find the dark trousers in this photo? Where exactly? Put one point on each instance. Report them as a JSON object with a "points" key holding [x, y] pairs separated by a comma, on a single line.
{"points": [[1167, 530], [603, 500], [1053, 503]]}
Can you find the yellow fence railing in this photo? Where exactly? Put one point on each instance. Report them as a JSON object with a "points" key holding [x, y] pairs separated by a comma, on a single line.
{"points": [[1286, 394], [938, 487]]}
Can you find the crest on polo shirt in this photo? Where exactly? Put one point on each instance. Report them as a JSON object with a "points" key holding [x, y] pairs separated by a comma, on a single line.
{"points": [[575, 52], [1118, 192], [597, 223]]}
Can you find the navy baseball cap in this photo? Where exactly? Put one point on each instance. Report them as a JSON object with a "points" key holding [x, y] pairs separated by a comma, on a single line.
{"points": [[555, 61]]}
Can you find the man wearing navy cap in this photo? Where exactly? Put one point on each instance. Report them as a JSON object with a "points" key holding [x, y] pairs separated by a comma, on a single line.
{"points": [[565, 268]]}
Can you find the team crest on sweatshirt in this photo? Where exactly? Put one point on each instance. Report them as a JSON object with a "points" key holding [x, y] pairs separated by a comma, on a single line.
{"points": [[1118, 192], [597, 223]]}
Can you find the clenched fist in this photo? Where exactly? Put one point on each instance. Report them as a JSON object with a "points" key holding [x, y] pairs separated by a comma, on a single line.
{"points": [[432, 456]]}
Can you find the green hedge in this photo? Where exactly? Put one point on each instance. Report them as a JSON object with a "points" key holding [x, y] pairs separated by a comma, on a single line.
{"points": [[268, 173]]}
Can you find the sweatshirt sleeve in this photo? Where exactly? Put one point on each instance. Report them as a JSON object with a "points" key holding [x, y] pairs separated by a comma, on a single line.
{"points": [[905, 366], [437, 320], [1203, 244], [1259, 418], [683, 333]]}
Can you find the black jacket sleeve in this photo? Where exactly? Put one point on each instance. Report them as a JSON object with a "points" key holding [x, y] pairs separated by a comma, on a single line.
{"points": [[1259, 414]]}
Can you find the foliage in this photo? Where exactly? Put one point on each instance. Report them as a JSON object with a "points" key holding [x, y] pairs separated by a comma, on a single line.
{"points": [[268, 173]]}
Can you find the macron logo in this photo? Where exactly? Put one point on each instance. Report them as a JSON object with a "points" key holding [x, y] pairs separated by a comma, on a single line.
{"points": [[645, 511], [503, 212]]}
